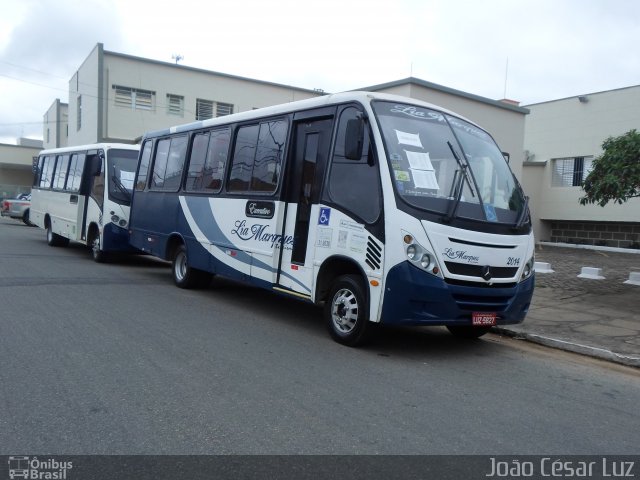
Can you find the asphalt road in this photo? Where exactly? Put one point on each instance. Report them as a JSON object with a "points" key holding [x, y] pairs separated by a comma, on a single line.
{"points": [[114, 359]]}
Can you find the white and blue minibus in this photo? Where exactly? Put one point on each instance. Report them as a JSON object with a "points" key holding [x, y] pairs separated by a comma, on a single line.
{"points": [[384, 209], [83, 194]]}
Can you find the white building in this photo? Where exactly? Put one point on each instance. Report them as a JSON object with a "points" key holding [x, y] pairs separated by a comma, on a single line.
{"points": [[56, 125], [562, 137], [115, 97]]}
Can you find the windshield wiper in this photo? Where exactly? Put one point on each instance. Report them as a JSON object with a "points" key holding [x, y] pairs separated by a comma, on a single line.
{"points": [[121, 187], [460, 186]]}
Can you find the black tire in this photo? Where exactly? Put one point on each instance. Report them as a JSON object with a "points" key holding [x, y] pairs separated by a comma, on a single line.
{"points": [[185, 276], [468, 331], [346, 312], [98, 255], [25, 218], [55, 240]]}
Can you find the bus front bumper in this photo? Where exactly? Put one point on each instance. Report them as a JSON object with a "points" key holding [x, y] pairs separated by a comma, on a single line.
{"points": [[415, 297]]}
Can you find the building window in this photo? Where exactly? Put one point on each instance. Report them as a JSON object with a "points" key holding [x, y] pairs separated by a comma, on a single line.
{"points": [[570, 172], [223, 109], [134, 98], [204, 109], [175, 105], [79, 119]]}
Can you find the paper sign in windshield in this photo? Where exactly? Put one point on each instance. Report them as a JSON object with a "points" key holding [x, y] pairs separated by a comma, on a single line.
{"points": [[422, 171], [425, 179], [127, 179], [411, 139], [419, 160]]}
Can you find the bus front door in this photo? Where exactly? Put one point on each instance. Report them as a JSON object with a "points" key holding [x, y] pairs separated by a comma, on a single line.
{"points": [[311, 152]]}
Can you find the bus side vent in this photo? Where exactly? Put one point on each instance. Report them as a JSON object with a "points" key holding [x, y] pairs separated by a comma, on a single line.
{"points": [[374, 254]]}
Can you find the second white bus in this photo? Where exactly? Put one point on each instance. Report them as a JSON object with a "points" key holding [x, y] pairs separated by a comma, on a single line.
{"points": [[83, 194]]}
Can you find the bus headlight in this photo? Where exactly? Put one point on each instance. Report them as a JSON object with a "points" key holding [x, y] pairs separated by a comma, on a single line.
{"points": [[425, 261], [119, 221], [420, 256], [528, 269]]}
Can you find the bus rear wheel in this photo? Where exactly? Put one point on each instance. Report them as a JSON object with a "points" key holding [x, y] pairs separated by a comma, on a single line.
{"points": [[185, 276], [25, 218], [345, 312], [467, 331]]}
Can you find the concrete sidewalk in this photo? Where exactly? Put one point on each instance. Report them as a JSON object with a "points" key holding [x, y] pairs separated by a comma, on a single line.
{"points": [[600, 318]]}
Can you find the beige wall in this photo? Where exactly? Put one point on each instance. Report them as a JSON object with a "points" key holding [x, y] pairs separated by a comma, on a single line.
{"points": [[572, 128], [16, 169], [84, 83], [532, 180], [102, 120], [127, 123]]}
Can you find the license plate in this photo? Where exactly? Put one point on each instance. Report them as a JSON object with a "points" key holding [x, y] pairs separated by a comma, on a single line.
{"points": [[483, 319]]}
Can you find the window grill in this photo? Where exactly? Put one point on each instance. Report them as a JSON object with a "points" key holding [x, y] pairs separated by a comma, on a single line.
{"points": [[175, 105], [204, 109]]}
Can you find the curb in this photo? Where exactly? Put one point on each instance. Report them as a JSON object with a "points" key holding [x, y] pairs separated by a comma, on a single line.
{"points": [[601, 353]]}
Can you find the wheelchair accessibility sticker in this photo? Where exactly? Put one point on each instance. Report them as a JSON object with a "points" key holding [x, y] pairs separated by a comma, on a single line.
{"points": [[325, 214]]}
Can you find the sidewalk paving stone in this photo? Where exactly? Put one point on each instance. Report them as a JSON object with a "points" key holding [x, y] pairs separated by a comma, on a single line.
{"points": [[600, 318]]}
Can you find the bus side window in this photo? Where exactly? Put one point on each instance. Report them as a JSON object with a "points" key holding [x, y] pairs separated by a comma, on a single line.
{"points": [[75, 172], [355, 184], [37, 172], [269, 156], [145, 157], [207, 161], [46, 175], [244, 153], [62, 169], [169, 163], [160, 163], [258, 156]]}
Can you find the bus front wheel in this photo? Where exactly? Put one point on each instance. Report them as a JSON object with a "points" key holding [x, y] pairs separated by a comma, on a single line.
{"points": [[55, 240], [345, 312], [185, 276], [98, 255]]}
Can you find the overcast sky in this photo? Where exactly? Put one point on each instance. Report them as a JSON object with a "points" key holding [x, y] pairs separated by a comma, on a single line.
{"points": [[526, 50]]}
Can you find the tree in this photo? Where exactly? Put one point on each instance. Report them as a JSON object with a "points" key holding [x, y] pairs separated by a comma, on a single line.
{"points": [[616, 173]]}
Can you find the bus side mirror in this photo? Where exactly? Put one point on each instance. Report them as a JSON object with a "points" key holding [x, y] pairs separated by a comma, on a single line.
{"points": [[506, 156], [354, 138]]}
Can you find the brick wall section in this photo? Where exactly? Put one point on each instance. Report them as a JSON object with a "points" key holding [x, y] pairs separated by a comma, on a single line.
{"points": [[604, 234]]}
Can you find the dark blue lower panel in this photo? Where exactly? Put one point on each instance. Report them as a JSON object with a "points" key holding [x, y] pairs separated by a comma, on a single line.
{"points": [[116, 239], [415, 297]]}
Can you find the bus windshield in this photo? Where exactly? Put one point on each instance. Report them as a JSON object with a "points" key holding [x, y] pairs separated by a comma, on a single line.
{"points": [[448, 166], [122, 169]]}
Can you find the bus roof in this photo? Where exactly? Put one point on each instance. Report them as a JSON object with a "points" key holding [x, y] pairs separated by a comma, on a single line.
{"points": [[92, 146], [299, 105]]}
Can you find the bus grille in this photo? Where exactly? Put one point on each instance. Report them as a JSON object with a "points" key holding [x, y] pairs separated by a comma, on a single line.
{"points": [[476, 270], [374, 254], [474, 303]]}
